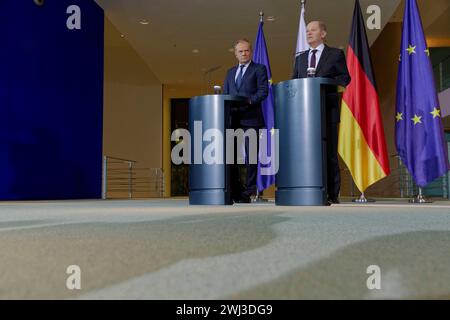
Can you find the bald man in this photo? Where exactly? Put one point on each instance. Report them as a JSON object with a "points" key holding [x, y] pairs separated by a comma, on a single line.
{"points": [[329, 63]]}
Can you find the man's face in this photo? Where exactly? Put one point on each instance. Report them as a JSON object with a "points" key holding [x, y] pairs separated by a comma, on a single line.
{"points": [[314, 35], [243, 52]]}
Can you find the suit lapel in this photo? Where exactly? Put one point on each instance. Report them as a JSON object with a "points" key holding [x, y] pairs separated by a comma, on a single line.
{"points": [[233, 77], [323, 59], [304, 64], [247, 73]]}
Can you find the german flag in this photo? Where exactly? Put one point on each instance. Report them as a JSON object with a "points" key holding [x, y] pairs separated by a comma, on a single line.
{"points": [[362, 145]]}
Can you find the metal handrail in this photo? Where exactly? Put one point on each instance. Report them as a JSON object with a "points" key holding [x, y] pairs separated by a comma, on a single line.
{"points": [[120, 159], [121, 176]]}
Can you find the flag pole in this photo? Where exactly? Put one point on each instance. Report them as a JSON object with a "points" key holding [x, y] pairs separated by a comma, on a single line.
{"points": [[412, 86], [305, 45], [363, 173], [420, 199], [258, 197], [362, 199]]}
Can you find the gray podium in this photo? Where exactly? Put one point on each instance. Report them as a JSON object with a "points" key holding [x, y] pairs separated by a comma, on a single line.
{"points": [[300, 117], [209, 184]]}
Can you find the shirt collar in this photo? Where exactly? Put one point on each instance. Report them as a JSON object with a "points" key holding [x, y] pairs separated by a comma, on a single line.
{"points": [[246, 65], [319, 48]]}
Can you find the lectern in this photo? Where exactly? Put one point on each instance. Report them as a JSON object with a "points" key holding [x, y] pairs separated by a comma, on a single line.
{"points": [[300, 117], [209, 184]]}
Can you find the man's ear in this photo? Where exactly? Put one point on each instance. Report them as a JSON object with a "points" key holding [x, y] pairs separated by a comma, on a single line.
{"points": [[324, 34]]}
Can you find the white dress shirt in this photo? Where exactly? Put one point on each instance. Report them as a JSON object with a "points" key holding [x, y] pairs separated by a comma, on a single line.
{"points": [[243, 71], [318, 54]]}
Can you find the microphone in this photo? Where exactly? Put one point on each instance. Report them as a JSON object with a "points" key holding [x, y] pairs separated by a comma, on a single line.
{"points": [[311, 72], [217, 90]]}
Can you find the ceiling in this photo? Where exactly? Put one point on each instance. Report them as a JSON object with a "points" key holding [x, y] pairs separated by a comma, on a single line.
{"points": [[177, 27]]}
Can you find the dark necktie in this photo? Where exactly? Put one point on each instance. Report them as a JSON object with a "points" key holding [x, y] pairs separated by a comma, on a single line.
{"points": [[240, 76], [313, 59]]}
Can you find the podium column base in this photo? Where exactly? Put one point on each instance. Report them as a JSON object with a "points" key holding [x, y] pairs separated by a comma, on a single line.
{"points": [[213, 197], [301, 197]]}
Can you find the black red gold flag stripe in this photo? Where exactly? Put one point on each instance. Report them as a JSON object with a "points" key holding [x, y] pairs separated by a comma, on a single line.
{"points": [[362, 143]]}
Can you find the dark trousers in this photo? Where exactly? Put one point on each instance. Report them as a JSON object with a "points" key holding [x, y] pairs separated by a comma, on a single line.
{"points": [[333, 172], [247, 187]]}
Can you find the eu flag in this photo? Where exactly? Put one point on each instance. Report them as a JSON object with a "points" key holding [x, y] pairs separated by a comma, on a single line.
{"points": [[261, 56], [419, 133]]}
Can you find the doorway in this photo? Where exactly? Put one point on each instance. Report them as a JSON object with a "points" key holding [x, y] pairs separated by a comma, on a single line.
{"points": [[179, 174]]}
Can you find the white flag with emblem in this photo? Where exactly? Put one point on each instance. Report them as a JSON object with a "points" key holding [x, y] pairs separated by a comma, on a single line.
{"points": [[302, 44]]}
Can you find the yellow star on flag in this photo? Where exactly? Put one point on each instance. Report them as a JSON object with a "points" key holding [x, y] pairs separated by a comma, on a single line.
{"points": [[416, 119], [411, 49], [270, 81], [436, 113], [399, 116], [427, 51]]}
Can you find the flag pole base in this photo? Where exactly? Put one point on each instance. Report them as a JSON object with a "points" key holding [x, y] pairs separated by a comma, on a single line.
{"points": [[420, 199], [259, 199], [363, 199]]}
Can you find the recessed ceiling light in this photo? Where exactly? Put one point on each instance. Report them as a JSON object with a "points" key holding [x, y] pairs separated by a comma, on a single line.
{"points": [[195, 51], [122, 36], [231, 50], [270, 18], [144, 22]]}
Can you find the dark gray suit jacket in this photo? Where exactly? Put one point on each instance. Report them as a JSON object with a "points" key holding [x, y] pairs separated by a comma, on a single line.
{"points": [[255, 87], [332, 64]]}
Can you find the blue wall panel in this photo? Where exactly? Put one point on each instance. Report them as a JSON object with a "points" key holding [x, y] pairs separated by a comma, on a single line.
{"points": [[51, 101]]}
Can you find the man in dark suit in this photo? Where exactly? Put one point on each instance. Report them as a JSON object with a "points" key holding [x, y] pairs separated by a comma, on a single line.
{"points": [[247, 79], [328, 63]]}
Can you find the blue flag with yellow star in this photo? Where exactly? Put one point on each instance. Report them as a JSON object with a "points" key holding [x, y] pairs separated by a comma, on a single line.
{"points": [[419, 134], [266, 174]]}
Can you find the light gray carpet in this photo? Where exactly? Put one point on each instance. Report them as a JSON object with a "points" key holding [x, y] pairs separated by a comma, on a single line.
{"points": [[165, 249]]}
